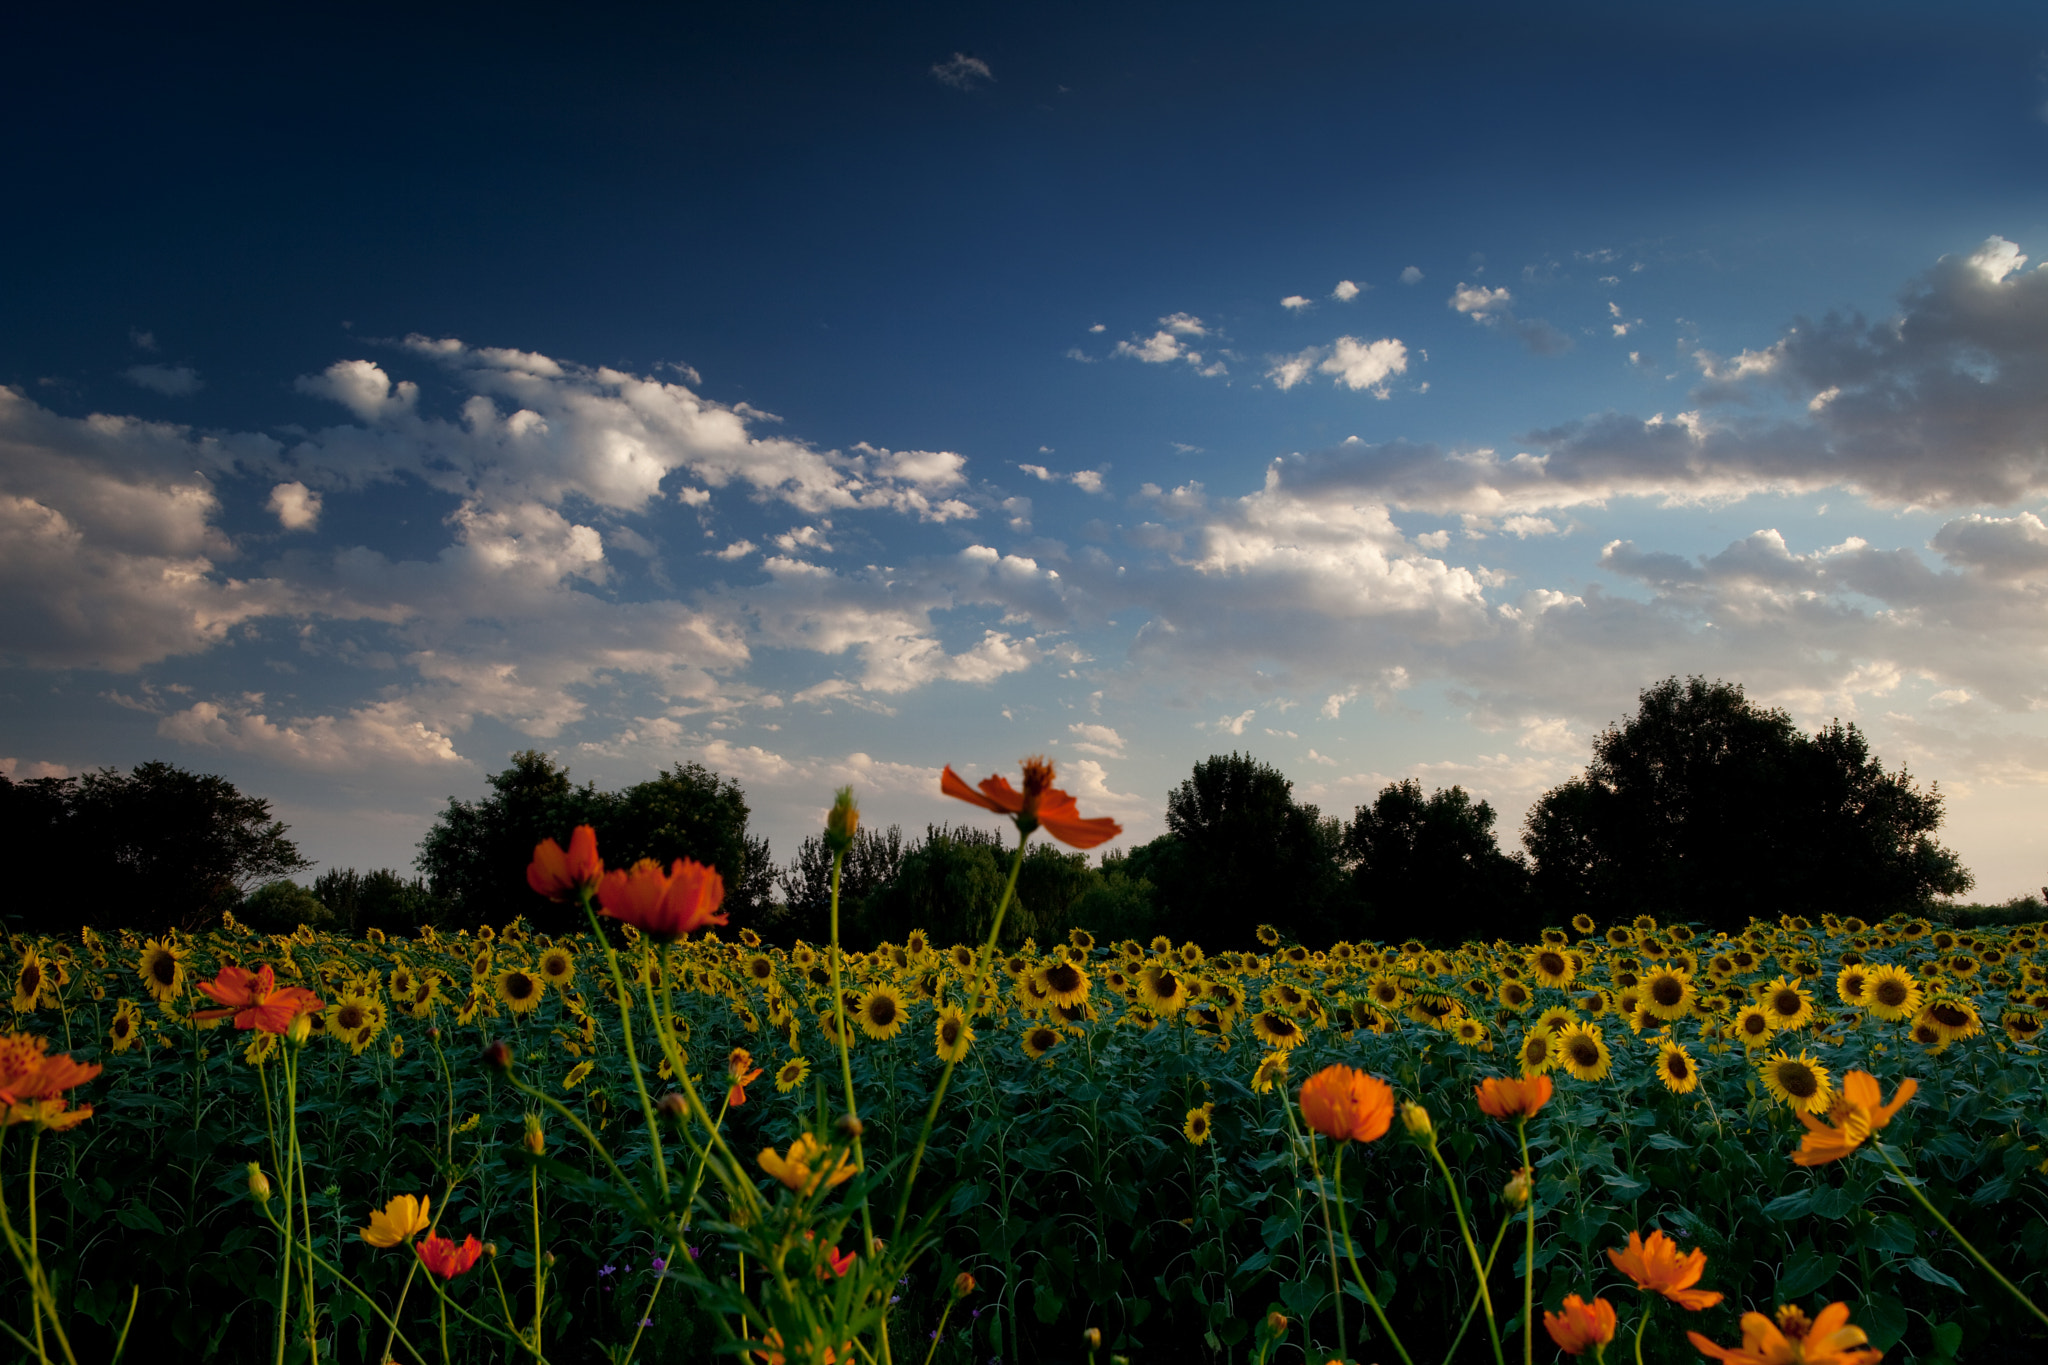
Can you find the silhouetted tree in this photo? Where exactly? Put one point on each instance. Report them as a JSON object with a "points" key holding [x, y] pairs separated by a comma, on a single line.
{"points": [[872, 861], [1429, 867], [147, 849], [1708, 807]]}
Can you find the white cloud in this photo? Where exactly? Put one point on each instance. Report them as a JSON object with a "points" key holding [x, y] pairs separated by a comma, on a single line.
{"points": [[296, 506], [1181, 324], [173, 381], [1096, 739], [1287, 371], [368, 737], [141, 340], [1494, 308], [739, 549], [14, 770], [1346, 291], [1523, 526], [1323, 759], [1158, 349], [1295, 303], [1232, 725], [1366, 365], [1098, 328], [961, 71], [1411, 275], [362, 387]]}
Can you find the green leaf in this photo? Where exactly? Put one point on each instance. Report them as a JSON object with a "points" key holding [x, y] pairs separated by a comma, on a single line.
{"points": [[1805, 1271], [1918, 1265], [1666, 1142], [1792, 1205], [1948, 1337]]}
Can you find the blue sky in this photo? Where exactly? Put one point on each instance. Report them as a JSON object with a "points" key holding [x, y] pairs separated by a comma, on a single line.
{"points": [[827, 398]]}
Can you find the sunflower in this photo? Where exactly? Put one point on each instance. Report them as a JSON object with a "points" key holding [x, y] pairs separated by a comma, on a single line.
{"points": [[1551, 967], [1040, 1039], [31, 982], [1515, 996], [750, 938], [881, 1012], [1082, 939], [1277, 1030], [952, 1035], [759, 968], [803, 957], [1272, 1071], [1162, 990], [1287, 998], [1676, 1069], [1800, 1081], [1644, 924], [397, 1046], [1161, 945], [521, 990], [2022, 1026], [1385, 992], [577, 1075], [1538, 1052], [260, 1048], [1471, 1033], [1556, 1019], [1269, 936], [162, 969], [1063, 983], [127, 1025], [1621, 936], [791, 1074], [1851, 983], [1583, 1052], [1787, 1003], [1953, 1017], [1891, 994], [1667, 992], [1189, 953], [1196, 1127], [356, 1018]]}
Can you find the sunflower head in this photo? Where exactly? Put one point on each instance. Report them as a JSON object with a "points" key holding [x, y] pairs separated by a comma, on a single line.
{"points": [[1040, 1039], [1799, 1081]]}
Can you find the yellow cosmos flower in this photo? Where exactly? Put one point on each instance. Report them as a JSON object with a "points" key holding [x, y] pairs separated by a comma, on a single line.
{"points": [[399, 1221], [804, 1169]]}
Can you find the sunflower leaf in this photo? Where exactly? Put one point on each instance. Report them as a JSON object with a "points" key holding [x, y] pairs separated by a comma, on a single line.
{"points": [[1919, 1266]]}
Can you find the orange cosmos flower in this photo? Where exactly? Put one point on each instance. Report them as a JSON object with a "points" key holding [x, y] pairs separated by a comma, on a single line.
{"points": [[804, 1169], [1505, 1099], [256, 1000], [401, 1219], [1344, 1103], [566, 876], [1040, 803], [31, 1081], [444, 1258], [1858, 1113], [1580, 1325], [737, 1066], [1657, 1268], [664, 905], [1793, 1340]]}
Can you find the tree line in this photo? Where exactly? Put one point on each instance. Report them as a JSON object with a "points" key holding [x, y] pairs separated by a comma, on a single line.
{"points": [[1701, 806]]}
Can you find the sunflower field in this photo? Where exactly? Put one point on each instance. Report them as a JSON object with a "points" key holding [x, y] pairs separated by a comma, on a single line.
{"points": [[1126, 1164]]}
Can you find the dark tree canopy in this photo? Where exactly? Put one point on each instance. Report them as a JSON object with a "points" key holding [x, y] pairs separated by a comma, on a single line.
{"points": [[872, 861], [1245, 851], [1708, 807], [155, 847], [1419, 861], [474, 857], [950, 884]]}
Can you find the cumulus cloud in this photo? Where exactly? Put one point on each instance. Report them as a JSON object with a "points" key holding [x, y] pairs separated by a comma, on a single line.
{"points": [[1411, 275], [362, 387], [961, 71], [173, 381], [1295, 303], [368, 737], [14, 770], [1358, 365], [1099, 740], [1494, 308], [1346, 291], [296, 506], [1169, 344]]}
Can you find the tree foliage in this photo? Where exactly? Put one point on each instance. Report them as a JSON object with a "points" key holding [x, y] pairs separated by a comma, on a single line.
{"points": [[474, 857], [873, 860], [1706, 806], [1433, 861], [156, 847]]}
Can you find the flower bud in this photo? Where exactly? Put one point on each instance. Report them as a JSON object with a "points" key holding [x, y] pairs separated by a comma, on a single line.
{"points": [[673, 1107], [1518, 1189], [434, 1033], [1276, 1324], [498, 1057], [1416, 1120], [491, 1250], [963, 1285], [841, 821], [536, 1140], [259, 1184], [850, 1126], [299, 1030], [1091, 1340]]}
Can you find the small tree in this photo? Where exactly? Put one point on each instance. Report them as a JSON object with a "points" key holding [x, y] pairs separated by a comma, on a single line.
{"points": [[1432, 861]]}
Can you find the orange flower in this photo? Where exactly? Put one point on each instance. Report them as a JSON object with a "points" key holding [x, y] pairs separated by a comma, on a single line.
{"points": [[565, 876], [256, 1000], [1344, 1103], [664, 905], [737, 1066], [1040, 803], [1580, 1325], [1793, 1340], [31, 1081], [1657, 1267], [1858, 1113], [773, 1356], [1505, 1099], [444, 1258]]}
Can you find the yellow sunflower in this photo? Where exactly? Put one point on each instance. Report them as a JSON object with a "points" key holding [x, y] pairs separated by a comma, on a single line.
{"points": [[520, 990], [1269, 936], [1891, 993], [1583, 1052], [1514, 995], [162, 969], [1162, 990], [791, 1074], [1851, 983], [1196, 1127], [1787, 1003], [577, 1075], [1040, 1039], [2022, 1026], [1800, 1081], [1538, 1051], [1277, 1030], [1676, 1069], [1272, 1071], [881, 1012], [1953, 1017], [952, 1035], [1582, 924], [1667, 992], [558, 968], [127, 1025], [1063, 983]]}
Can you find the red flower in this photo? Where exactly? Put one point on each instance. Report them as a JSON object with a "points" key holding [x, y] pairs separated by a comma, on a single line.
{"points": [[663, 905], [566, 876], [1040, 803], [256, 1000], [444, 1258]]}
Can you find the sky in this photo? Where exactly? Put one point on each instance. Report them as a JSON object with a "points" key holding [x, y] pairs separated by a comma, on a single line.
{"points": [[825, 395]]}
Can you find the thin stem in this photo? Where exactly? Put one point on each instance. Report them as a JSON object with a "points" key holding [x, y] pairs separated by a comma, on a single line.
{"points": [[1473, 1311], [1330, 1236], [1978, 1256], [845, 1055], [1648, 1304], [623, 997], [1471, 1246], [1344, 1223], [939, 1335], [1529, 1253]]}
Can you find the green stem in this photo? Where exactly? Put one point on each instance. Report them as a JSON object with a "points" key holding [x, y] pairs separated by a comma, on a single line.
{"points": [[1976, 1255], [1344, 1223], [623, 997], [939, 1335], [1471, 1247], [1648, 1304], [981, 964], [1330, 1237], [867, 1223], [1528, 1253], [1473, 1311]]}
